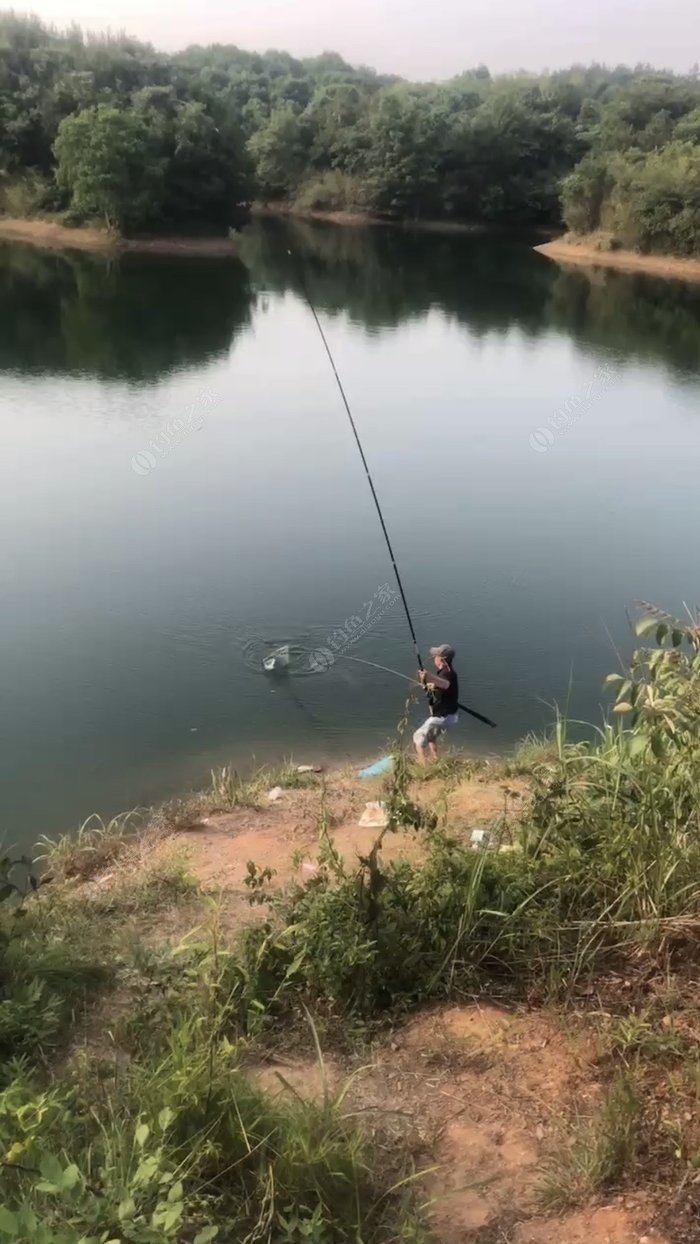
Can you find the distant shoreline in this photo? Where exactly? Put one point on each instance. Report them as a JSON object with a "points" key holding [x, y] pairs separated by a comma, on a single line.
{"points": [[587, 253], [365, 219], [49, 235]]}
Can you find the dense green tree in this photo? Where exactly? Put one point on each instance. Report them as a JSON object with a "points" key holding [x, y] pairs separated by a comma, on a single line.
{"points": [[108, 162], [406, 138], [656, 200], [280, 151], [584, 193]]}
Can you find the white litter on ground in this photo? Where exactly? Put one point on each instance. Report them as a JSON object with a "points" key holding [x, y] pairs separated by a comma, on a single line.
{"points": [[275, 794], [480, 838]]}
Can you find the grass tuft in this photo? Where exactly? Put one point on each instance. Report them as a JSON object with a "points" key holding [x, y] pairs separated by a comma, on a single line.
{"points": [[599, 1153], [92, 847]]}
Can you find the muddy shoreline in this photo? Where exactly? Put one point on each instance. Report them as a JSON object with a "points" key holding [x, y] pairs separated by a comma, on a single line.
{"points": [[587, 254], [49, 235]]}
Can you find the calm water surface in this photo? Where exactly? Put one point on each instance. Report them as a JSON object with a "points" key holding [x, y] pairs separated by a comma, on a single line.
{"points": [[180, 492]]}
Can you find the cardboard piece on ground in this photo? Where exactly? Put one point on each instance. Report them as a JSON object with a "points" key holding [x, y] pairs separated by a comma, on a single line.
{"points": [[374, 816]]}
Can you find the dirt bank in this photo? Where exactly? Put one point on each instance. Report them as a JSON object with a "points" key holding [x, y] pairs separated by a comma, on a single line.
{"points": [[588, 252], [49, 235]]}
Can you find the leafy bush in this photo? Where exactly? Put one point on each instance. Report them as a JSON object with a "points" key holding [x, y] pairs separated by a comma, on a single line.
{"points": [[656, 201], [332, 191], [23, 196], [584, 194]]}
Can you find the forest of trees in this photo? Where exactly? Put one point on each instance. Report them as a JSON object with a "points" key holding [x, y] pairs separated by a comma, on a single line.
{"points": [[108, 129]]}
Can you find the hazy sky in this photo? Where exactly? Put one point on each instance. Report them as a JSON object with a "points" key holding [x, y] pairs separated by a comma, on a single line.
{"points": [[416, 38]]}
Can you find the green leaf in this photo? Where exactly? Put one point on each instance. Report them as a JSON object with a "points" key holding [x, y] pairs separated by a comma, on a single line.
{"points": [[613, 678], [8, 1222], [141, 1134], [51, 1168], [624, 707], [146, 1172], [638, 744], [206, 1235], [165, 1118], [661, 632], [71, 1176], [645, 626], [676, 637], [28, 1222], [175, 1193], [657, 746], [6, 891], [127, 1209], [168, 1219]]}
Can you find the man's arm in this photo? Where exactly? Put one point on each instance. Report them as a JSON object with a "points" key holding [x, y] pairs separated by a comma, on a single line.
{"points": [[433, 680]]}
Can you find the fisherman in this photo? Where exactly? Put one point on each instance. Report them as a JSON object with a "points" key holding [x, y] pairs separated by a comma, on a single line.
{"points": [[443, 694]]}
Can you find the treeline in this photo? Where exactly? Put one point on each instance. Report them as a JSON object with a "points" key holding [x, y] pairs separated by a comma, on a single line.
{"points": [[107, 128]]}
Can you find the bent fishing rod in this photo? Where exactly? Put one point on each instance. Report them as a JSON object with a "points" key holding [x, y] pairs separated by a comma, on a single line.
{"points": [[472, 712], [343, 656]]}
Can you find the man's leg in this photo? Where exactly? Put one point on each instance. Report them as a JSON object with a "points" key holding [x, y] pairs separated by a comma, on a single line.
{"points": [[425, 737], [420, 739]]}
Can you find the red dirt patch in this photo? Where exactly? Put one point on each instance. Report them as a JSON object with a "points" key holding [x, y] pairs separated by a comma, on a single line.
{"points": [[608, 1225], [474, 1091]]}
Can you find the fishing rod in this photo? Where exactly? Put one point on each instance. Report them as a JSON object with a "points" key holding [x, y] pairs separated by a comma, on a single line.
{"points": [[472, 712]]}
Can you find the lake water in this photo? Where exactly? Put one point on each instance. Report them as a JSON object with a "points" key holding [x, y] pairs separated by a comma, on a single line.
{"points": [[181, 493]]}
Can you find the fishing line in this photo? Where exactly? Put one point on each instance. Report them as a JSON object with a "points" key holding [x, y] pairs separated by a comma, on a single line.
{"points": [[343, 656], [373, 490]]}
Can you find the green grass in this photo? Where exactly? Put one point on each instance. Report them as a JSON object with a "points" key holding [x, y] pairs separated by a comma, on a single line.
{"points": [[92, 847], [597, 1153], [146, 888], [55, 966], [230, 790], [451, 767], [177, 1140], [532, 752], [637, 1035]]}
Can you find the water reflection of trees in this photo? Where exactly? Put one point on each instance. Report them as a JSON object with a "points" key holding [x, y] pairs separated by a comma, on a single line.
{"points": [[141, 317], [135, 318], [381, 277], [630, 314]]}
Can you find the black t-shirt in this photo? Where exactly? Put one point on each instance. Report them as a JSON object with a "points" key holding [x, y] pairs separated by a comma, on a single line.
{"points": [[445, 702]]}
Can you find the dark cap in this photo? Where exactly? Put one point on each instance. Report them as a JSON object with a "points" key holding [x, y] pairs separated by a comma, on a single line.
{"points": [[444, 651]]}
